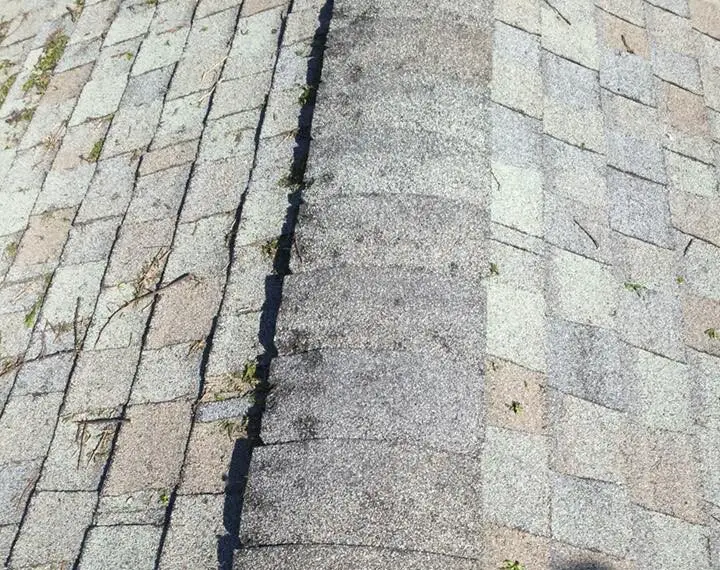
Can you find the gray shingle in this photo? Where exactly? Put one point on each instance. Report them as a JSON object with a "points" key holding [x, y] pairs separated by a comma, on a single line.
{"points": [[679, 7], [661, 391], [587, 439], [417, 232], [515, 138], [205, 50], [585, 361], [667, 542], [631, 154], [664, 472], [122, 547], [44, 375], [16, 480], [676, 68], [380, 309], [575, 40], [592, 514], [357, 492], [651, 320], [130, 21], [517, 80], [384, 395], [301, 557], [516, 486], [54, 528], [117, 173], [157, 196], [629, 75], [575, 173], [640, 209], [577, 227]]}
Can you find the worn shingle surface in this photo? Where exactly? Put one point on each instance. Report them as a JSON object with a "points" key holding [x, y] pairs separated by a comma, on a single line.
{"points": [[330, 284]]}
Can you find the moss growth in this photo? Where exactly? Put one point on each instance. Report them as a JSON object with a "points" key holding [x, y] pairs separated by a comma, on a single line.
{"points": [[94, 154], [292, 179], [635, 287], [285, 181], [31, 317], [5, 87], [11, 249], [41, 73], [4, 28]]}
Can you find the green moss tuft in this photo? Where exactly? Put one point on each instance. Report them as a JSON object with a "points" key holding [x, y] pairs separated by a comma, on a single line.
{"points": [[95, 151], [42, 72], [5, 87]]}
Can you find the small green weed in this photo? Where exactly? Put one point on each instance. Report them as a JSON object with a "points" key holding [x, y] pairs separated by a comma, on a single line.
{"points": [[637, 288], [234, 429], [244, 381], [515, 407], [270, 247], [249, 374], [196, 346], [494, 269], [164, 498], [306, 94], [512, 565], [53, 139], [712, 334], [289, 180], [680, 279]]}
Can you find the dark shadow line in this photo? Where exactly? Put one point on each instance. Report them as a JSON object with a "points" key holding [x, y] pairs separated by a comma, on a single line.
{"points": [[242, 452]]}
